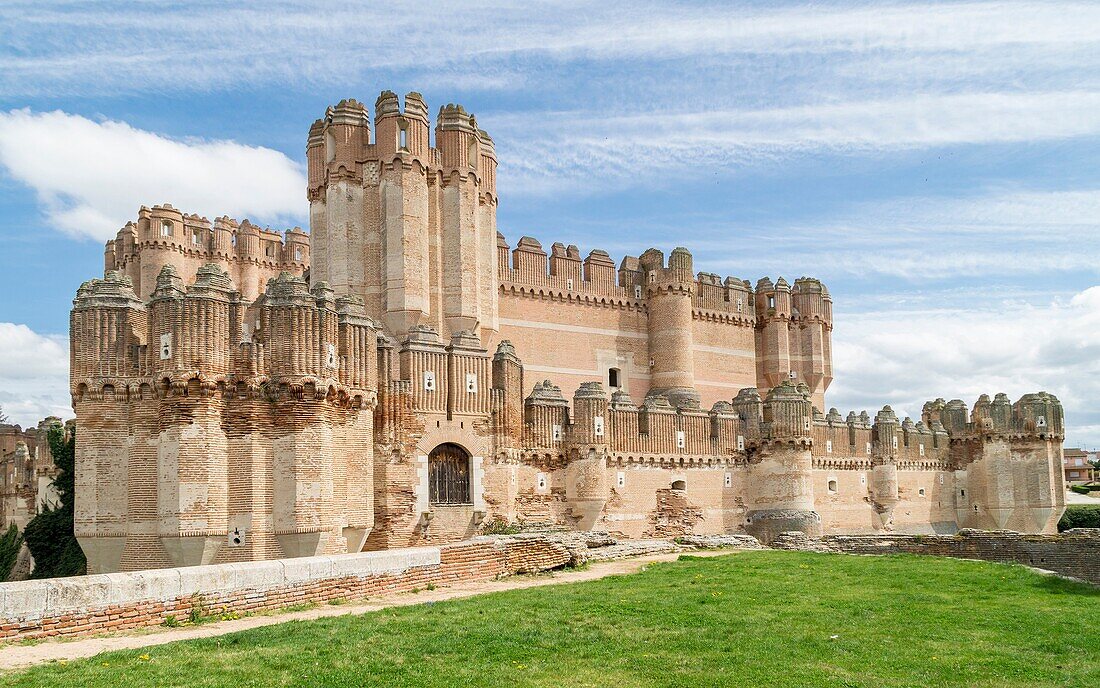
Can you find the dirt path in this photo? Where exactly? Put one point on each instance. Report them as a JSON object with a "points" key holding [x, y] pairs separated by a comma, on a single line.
{"points": [[17, 656]]}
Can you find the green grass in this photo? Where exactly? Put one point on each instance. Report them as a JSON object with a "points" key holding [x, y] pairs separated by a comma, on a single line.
{"points": [[748, 619]]}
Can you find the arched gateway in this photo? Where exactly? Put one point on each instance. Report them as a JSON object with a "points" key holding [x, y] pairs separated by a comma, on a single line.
{"points": [[449, 475]]}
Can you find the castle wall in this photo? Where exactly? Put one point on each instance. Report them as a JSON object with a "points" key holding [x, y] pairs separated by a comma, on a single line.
{"points": [[588, 337], [266, 415], [213, 445], [163, 235]]}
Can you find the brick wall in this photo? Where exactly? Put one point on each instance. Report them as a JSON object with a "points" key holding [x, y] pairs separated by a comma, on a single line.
{"points": [[1073, 553], [118, 601]]}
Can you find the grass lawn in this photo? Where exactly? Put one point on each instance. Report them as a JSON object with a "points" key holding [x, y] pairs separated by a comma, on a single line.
{"points": [[748, 619]]}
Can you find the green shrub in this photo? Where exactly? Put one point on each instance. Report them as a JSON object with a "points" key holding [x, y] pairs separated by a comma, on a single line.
{"points": [[1080, 489], [498, 526], [1080, 516], [10, 543]]}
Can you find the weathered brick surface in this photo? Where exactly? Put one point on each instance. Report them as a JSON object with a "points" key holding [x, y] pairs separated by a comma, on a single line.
{"points": [[120, 601], [635, 396]]}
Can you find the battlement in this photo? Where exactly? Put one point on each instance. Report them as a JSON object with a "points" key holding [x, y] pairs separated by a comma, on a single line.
{"points": [[562, 271], [203, 335], [164, 235], [1037, 414], [341, 146]]}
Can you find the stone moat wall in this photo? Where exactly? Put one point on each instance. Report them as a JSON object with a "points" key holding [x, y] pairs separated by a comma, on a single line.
{"points": [[1074, 553]]}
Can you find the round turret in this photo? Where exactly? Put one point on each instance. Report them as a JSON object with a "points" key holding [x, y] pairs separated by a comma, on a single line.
{"points": [[669, 301]]}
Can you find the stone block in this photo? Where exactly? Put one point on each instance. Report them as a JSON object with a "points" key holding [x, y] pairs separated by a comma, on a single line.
{"points": [[24, 600], [155, 584], [296, 570], [80, 593], [205, 579], [256, 575], [353, 565], [320, 568]]}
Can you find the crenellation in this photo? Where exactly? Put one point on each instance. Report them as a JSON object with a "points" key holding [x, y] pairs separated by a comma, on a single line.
{"points": [[402, 375]]}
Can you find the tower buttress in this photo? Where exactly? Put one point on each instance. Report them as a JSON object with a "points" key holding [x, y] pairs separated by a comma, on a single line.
{"points": [[773, 343], [669, 294]]}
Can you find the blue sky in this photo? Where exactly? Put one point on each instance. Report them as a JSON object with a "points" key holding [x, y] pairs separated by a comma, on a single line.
{"points": [[935, 163]]}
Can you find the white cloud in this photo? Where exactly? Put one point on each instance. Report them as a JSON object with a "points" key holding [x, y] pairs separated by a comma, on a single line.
{"points": [[906, 357], [1006, 233], [572, 147], [34, 375], [91, 177], [68, 49]]}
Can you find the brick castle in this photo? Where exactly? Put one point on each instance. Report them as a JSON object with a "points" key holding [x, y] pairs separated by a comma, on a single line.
{"points": [[401, 375]]}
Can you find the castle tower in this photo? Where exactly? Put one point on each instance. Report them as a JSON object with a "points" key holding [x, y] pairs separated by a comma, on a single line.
{"points": [[773, 344], [107, 323], [468, 233], [812, 307], [884, 467], [586, 486], [669, 294], [780, 487], [334, 158], [409, 228], [508, 394]]}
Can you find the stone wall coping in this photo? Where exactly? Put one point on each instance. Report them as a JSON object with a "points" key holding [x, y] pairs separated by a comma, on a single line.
{"points": [[36, 599]]}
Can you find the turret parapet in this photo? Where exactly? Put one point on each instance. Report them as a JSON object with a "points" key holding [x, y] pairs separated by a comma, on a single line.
{"points": [[810, 300], [773, 301], [750, 408], [886, 415], [386, 105], [452, 116], [352, 309], [1038, 413], [287, 290], [563, 270], [465, 340], [658, 402], [422, 334], [163, 235], [787, 412], [348, 111], [590, 390], [723, 408], [212, 281], [506, 352], [621, 401], [415, 106], [546, 393], [680, 263], [169, 284], [115, 290]]}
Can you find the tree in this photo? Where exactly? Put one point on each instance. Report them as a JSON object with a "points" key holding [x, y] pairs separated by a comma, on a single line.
{"points": [[49, 535], [10, 544], [3, 416]]}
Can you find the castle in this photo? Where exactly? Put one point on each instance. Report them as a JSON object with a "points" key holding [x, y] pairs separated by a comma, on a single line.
{"points": [[27, 471], [402, 375]]}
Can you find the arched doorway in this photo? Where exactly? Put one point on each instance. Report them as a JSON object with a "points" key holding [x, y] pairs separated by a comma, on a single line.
{"points": [[449, 475]]}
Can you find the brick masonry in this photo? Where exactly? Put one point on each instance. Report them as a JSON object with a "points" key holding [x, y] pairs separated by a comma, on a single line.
{"points": [[120, 601], [244, 396]]}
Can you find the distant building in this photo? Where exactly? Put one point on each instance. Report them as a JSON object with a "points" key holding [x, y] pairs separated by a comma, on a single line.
{"points": [[27, 471], [1075, 463]]}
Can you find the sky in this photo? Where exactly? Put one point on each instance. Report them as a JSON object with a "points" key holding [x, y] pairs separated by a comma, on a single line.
{"points": [[935, 164]]}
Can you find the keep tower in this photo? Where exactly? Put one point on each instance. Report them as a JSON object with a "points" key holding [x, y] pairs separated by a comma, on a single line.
{"points": [[408, 227]]}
